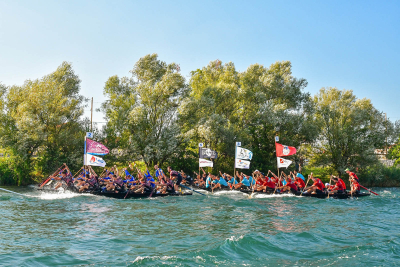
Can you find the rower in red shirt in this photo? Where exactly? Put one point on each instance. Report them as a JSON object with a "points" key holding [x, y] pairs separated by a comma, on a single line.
{"points": [[342, 182], [290, 184], [338, 188], [355, 186], [300, 183], [352, 175], [317, 187]]}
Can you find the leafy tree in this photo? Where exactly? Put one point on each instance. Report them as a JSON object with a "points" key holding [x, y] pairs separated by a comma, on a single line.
{"points": [[225, 106], [142, 110], [351, 129], [41, 121]]}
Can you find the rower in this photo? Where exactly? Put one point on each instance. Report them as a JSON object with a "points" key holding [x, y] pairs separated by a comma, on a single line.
{"points": [[299, 182], [231, 181], [337, 188], [355, 186], [222, 181], [317, 188], [65, 177], [352, 175], [245, 181], [175, 176], [150, 179], [299, 175]]}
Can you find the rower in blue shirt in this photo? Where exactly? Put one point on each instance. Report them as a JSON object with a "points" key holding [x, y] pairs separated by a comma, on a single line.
{"points": [[150, 179], [158, 171], [299, 175], [208, 182], [245, 180]]}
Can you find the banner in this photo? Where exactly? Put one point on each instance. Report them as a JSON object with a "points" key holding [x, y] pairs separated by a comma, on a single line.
{"points": [[282, 150], [205, 163], [283, 163], [207, 153], [95, 161], [242, 153], [242, 164], [95, 148]]}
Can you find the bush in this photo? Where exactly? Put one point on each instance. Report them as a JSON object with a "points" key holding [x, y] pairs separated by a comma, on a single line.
{"points": [[380, 176]]}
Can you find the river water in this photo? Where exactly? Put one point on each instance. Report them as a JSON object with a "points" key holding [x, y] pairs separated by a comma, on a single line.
{"points": [[224, 229]]}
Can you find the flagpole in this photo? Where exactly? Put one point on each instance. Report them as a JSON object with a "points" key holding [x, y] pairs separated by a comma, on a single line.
{"points": [[276, 153], [84, 153], [234, 166]]}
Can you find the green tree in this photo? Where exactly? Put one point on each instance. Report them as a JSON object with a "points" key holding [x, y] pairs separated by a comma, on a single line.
{"points": [[142, 111], [225, 106], [41, 123], [351, 129]]}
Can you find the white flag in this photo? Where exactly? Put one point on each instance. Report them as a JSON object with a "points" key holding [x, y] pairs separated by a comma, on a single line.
{"points": [[283, 163], [242, 164], [205, 163], [243, 153], [94, 161]]}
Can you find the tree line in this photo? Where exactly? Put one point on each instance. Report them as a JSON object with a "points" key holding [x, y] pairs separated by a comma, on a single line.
{"points": [[156, 116]]}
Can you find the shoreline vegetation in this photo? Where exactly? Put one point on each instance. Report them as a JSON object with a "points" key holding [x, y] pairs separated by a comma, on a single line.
{"points": [[156, 116]]}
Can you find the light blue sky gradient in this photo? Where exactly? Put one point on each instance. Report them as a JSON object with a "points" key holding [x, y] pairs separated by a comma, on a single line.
{"points": [[345, 44]]}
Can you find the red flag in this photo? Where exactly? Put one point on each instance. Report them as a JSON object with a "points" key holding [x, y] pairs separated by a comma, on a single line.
{"points": [[282, 150]]}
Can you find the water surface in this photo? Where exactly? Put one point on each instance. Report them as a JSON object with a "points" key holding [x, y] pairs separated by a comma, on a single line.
{"points": [[224, 229]]}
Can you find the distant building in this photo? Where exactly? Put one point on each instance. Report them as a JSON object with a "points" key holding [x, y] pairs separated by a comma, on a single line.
{"points": [[382, 157]]}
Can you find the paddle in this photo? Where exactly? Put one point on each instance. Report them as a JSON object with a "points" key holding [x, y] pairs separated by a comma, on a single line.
{"points": [[369, 190], [192, 189], [251, 185], [306, 185], [330, 180]]}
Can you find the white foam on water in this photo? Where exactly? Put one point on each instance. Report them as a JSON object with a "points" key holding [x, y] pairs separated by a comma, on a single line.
{"points": [[60, 195], [234, 238], [232, 192], [272, 196], [140, 258]]}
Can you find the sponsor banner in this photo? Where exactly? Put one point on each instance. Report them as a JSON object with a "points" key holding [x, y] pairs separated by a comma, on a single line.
{"points": [[242, 164], [205, 163], [242, 153], [283, 163], [207, 153], [95, 161]]}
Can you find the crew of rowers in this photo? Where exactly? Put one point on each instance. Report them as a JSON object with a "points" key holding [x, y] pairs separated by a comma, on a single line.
{"points": [[114, 180], [259, 182]]}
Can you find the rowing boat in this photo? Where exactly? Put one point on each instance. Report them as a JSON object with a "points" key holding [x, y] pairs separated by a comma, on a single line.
{"points": [[121, 195]]}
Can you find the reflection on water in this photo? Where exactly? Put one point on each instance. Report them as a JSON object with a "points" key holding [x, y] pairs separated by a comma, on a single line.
{"points": [[224, 229]]}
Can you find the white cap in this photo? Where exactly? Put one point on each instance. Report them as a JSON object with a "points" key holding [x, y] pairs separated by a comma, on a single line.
{"points": [[327, 184]]}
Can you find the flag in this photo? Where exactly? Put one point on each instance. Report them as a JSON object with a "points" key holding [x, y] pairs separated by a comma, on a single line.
{"points": [[242, 164], [283, 163], [242, 153], [95, 148], [94, 161], [207, 153], [205, 163], [282, 150]]}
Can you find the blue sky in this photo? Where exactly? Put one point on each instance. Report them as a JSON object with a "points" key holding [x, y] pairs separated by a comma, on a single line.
{"points": [[345, 44]]}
